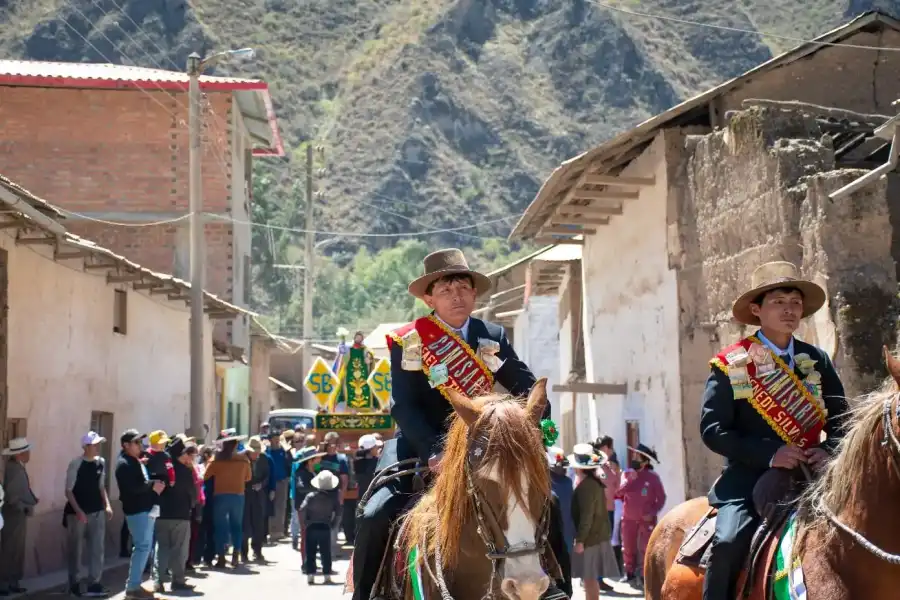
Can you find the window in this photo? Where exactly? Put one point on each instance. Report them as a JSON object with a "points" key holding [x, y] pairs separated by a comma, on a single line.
{"points": [[16, 428], [632, 438], [120, 312], [102, 423]]}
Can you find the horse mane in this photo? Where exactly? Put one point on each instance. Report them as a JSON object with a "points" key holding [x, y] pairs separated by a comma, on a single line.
{"points": [[835, 487], [514, 450]]}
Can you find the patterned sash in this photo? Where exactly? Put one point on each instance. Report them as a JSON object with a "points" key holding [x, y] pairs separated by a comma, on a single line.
{"points": [[466, 372], [792, 407]]}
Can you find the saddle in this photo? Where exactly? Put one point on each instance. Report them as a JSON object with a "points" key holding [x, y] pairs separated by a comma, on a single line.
{"points": [[773, 495]]}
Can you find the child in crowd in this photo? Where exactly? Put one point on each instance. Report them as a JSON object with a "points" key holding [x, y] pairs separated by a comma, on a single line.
{"points": [[320, 512]]}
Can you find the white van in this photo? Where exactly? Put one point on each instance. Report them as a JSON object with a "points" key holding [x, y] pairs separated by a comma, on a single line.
{"points": [[288, 418]]}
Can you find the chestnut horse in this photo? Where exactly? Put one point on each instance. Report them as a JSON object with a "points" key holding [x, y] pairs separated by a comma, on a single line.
{"points": [[481, 530], [848, 533]]}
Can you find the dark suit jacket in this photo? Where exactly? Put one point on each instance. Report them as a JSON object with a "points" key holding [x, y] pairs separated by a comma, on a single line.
{"points": [[735, 430], [422, 412]]}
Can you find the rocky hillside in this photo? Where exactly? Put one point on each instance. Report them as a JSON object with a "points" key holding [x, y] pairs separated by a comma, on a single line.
{"points": [[436, 113]]}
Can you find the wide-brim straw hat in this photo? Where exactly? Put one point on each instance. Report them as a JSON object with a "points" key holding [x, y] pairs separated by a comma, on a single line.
{"points": [[228, 436], [645, 451], [585, 457], [771, 276], [16, 446], [442, 263]]}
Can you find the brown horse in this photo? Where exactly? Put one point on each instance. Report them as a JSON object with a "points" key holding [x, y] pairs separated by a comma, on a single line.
{"points": [[848, 533], [481, 530]]}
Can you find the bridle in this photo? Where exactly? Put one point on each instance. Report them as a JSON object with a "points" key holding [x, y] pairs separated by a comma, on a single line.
{"points": [[488, 522], [892, 444]]}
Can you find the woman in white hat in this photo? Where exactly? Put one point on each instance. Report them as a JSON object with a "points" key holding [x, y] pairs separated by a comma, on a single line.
{"points": [[18, 505], [593, 558]]}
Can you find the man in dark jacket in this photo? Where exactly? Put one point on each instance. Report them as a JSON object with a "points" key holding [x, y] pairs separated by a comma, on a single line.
{"points": [[173, 527], [448, 337], [255, 501], [762, 391], [139, 496]]}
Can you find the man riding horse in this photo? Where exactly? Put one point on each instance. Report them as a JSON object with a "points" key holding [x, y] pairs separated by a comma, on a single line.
{"points": [[767, 401], [447, 348]]}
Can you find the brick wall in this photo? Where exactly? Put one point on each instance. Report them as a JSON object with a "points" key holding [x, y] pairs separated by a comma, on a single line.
{"points": [[122, 151], [757, 192]]}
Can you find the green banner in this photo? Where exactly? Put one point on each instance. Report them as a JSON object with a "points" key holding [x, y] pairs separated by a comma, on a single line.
{"points": [[357, 395], [336, 422]]}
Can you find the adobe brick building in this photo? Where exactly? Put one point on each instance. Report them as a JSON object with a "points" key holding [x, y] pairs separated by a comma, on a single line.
{"points": [[110, 143]]}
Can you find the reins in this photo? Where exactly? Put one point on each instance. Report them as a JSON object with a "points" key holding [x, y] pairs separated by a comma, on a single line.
{"points": [[892, 443]]}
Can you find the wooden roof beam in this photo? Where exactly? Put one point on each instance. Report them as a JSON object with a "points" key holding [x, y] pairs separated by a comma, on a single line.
{"points": [[124, 277], [603, 194], [25, 241], [100, 265], [555, 240], [567, 231], [575, 209], [580, 220], [619, 180], [70, 254], [584, 387]]}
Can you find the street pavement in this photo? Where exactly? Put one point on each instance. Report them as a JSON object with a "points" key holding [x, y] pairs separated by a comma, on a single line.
{"points": [[274, 580]]}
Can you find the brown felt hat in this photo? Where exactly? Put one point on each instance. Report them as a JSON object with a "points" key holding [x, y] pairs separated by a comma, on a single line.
{"points": [[771, 276], [443, 263]]}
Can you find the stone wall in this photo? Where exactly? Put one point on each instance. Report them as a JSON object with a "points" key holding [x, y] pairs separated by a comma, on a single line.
{"points": [[754, 192]]}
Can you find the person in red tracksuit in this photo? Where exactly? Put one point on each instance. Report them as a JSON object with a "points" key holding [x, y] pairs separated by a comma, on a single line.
{"points": [[642, 497]]}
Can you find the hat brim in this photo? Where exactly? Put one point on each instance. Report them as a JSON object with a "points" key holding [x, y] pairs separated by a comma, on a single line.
{"points": [[575, 465], [418, 286], [11, 452], [813, 299], [644, 454], [310, 457]]}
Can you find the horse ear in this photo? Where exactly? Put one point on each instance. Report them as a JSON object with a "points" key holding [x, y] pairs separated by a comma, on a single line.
{"points": [[464, 407], [892, 364], [537, 400]]}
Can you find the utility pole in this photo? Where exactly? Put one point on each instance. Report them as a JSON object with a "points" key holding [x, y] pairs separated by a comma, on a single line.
{"points": [[198, 250], [309, 271], [195, 67]]}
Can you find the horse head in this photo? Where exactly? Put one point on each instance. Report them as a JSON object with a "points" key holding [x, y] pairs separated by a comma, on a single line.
{"points": [[495, 455]]}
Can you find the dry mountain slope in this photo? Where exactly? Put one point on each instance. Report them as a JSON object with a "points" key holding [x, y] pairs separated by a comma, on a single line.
{"points": [[443, 112]]}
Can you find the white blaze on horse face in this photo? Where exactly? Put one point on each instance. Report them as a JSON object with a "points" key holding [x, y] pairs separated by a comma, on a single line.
{"points": [[525, 571]]}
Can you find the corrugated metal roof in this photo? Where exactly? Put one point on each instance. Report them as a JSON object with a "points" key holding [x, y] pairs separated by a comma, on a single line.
{"points": [[105, 76], [23, 72]]}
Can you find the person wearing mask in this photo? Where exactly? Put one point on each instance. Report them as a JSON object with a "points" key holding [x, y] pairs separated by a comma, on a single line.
{"points": [[18, 507], [255, 501], [85, 515], [173, 527], [139, 495], [231, 470], [643, 497], [321, 511], [593, 558], [279, 484]]}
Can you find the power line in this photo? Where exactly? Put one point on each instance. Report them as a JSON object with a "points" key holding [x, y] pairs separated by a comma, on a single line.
{"points": [[646, 15]]}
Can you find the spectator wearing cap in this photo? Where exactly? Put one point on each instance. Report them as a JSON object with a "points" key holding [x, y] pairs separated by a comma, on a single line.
{"points": [[18, 506], [159, 463], [255, 501], [85, 515], [140, 496], [364, 465], [231, 470], [173, 527], [279, 482], [340, 466], [321, 511]]}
